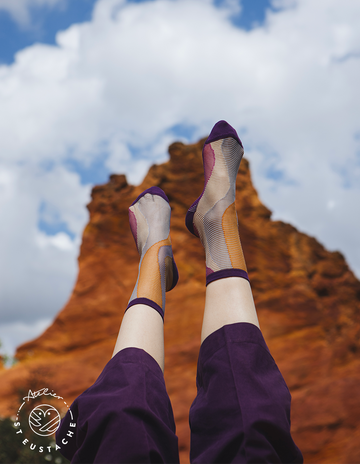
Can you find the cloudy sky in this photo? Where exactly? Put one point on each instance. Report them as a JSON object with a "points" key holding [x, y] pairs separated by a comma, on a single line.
{"points": [[88, 88]]}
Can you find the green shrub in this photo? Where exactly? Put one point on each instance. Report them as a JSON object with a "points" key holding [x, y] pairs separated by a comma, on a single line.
{"points": [[13, 451]]}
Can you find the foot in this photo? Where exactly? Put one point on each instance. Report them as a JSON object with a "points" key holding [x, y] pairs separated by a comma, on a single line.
{"points": [[212, 217], [149, 217]]}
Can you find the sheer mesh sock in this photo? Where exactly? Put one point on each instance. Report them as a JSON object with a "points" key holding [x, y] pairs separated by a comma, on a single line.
{"points": [[212, 217], [149, 217]]}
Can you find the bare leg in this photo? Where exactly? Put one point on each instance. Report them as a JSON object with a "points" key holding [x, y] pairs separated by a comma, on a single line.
{"points": [[143, 328], [142, 324], [228, 301]]}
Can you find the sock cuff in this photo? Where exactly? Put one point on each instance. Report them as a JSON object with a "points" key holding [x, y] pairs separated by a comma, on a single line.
{"points": [[147, 302], [223, 273]]}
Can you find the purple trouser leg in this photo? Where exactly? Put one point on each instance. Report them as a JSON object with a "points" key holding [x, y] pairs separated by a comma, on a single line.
{"points": [[240, 415], [125, 417], [242, 410]]}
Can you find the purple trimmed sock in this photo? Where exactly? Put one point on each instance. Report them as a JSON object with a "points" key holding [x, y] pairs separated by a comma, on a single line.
{"points": [[149, 217], [212, 217]]}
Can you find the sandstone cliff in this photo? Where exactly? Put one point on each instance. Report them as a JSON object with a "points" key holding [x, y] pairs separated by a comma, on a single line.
{"points": [[308, 303]]}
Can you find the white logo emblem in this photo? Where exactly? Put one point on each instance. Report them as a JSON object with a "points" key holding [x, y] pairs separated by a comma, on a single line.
{"points": [[44, 420]]}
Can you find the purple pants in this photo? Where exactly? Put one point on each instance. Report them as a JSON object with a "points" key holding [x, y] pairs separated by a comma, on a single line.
{"points": [[241, 413]]}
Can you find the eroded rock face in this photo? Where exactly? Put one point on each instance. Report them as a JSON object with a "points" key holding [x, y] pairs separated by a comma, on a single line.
{"points": [[308, 303]]}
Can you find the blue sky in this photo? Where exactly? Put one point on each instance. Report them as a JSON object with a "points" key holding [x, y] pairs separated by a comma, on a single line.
{"points": [[89, 88], [47, 21]]}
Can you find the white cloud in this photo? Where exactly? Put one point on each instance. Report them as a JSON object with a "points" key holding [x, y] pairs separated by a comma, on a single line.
{"points": [[14, 334], [20, 10], [37, 270], [60, 240], [116, 86]]}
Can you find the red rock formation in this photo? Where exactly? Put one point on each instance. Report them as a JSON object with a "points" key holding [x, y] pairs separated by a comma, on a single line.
{"points": [[307, 299]]}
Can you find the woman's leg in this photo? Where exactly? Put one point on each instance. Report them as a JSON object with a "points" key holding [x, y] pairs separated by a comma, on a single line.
{"points": [[213, 219], [142, 328], [242, 410], [142, 325], [234, 296], [126, 416]]}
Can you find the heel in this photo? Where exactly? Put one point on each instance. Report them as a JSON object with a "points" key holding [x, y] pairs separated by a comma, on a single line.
{"points": [[190, 216], [221, 130]]}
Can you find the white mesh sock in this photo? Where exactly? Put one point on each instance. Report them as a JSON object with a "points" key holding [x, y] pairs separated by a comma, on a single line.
{"points": [[212, 217], [149, 217]]}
